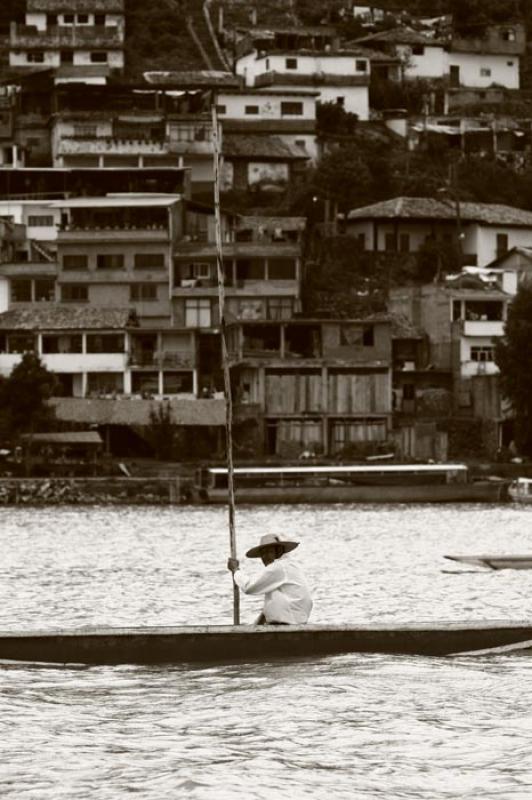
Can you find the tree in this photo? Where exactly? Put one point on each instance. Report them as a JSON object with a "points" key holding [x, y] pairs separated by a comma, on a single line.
{"points": [[513, 356], [24, 396]]}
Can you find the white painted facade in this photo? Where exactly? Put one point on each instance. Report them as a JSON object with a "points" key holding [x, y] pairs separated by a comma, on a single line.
{"points": [[479, 240], [423, 61], [269, 105], [40, 219], [39, 20], [482, 70], [252, 64], [52, 58]]}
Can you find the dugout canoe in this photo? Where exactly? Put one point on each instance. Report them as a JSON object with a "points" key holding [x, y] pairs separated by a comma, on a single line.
{"points": [[495, 562], [233, 644]]}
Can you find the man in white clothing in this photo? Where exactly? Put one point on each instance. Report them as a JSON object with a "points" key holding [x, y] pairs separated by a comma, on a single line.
{"points": [[287, 599]]}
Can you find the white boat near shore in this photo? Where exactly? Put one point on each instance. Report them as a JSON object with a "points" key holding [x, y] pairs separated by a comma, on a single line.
{"points": [[520, 490]]}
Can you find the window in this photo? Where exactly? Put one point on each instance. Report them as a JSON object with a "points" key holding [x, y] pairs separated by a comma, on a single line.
{"points": [[44, 289], [40, 221], [301, 143], [404, 243], [149, 261], [75, 261], [67, 56], [291, 109], [110, 261], [291, 63], [99, 383], [99, 19], [418, 50], [105, 343], [74, 293], [508, 35], [221, 109], [368, 338], [61, 343], [280, 308], [482, 354], [198, 313], [143, 291], [98, 57], [361, 65], [281, 269], [21, 343], [145, 383], [68, 19], [250, 269], [361, 241], [82, 19], [340, 101], [251, 109], [267, 63], [85, 130], [502, 244], [457, 310], [177, 383], [37, 57], [21, 290], [485, 72]]}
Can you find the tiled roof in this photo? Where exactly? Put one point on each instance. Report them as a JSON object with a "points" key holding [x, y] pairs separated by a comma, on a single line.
{"points": [[193, 78], [429, 208], [90, 6], [135, 411], [400, 36], [55, 316], [286, 223], [72, 437], [251, 145]]}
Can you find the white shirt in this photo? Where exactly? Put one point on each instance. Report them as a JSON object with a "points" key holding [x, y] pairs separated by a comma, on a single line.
{"points": [[286, 594]]}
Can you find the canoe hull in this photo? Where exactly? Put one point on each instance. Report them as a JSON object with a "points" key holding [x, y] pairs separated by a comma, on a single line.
{"points": [[475, 492], [230, 644]]}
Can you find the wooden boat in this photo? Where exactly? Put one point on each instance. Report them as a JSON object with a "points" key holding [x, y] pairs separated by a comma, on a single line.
{"points": [[520, 490], [232, 644], [495, 562], [361, 483]]}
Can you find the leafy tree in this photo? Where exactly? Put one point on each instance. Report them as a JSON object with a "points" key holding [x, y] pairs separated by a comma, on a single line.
{"points": [[24, 396], [513, 356], [473, 17]]}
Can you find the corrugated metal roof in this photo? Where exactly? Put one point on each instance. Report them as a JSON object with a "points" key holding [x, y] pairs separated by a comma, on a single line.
{"points": [[70, 437], [124, 201], [430, 208]]}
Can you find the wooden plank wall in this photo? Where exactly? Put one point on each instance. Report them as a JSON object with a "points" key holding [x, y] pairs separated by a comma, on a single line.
{"points": [[359, 393], [293, 394]]}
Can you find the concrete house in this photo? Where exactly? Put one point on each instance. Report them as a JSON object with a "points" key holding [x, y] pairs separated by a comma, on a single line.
{"points": [[490, 60], [340, 76], [419, 55], [82, 38], [405, 224]]}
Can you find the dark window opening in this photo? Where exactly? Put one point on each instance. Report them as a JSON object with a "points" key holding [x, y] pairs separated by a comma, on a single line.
{"points": [[75, 261], [291, 63], [61, 343], [21, 291], [262, 339], [143, 291], [74, 293], [289, 108], [105, 343], [251, 109], [110, 261], [303, 341], [177, 383], [44, 289], [149, 261], [281, 269], [250, 269]]}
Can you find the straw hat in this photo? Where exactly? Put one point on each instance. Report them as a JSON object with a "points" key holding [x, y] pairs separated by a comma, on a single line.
{"points": [[266, 541]]}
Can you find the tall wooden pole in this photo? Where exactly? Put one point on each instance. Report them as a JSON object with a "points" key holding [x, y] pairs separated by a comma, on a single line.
{"points": [[225, 359]]}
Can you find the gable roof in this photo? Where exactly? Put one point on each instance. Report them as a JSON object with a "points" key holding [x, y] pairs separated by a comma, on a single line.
{"points": [[400, 36], [427, 208], [256, 146], [55, 316]]}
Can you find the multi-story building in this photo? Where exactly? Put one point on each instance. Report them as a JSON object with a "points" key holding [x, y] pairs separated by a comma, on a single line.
{"points": [[487, 60], [118, 251], [313, 385], [81, 38], [339, 76], [288, 115], [418, 55], [405, 224]]}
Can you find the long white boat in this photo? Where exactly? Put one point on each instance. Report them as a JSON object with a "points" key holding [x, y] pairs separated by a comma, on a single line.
{"points": [[364, 483], [520, 490], [495, 562]]}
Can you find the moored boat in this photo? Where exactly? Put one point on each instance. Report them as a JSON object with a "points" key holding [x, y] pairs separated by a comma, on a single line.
{"points": [[233, 644], [495, 562], [520, 490], [361, 483]]}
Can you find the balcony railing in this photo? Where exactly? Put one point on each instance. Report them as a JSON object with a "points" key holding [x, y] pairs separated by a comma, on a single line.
{"points": [[170, 359], [29, 36], [111, 146]]}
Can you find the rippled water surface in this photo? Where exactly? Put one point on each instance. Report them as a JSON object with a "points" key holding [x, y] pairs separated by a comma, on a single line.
{"points": [[361, 726]]}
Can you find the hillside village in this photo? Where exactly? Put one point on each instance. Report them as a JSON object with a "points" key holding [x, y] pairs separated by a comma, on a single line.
{"points": [[376, 193]]}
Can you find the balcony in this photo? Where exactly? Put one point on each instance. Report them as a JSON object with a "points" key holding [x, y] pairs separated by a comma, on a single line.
{"points": [[85, 362], [167, 359], [118, 233], [483, 327], [112, 146], [67, 37]]}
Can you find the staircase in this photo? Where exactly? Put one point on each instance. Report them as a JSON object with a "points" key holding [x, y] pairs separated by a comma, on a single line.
{"points": [[204, 36]]}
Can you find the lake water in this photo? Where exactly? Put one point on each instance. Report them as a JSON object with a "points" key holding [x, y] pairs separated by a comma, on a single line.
{"points": [[360, 727]]}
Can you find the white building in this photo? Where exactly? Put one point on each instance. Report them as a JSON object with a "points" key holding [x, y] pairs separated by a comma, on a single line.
{"points": [[88, 37], [404, 224], [420, 56], [482, 70], [289, 115], [339, 76]]}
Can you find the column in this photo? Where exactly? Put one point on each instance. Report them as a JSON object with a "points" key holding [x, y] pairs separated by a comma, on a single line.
{"points": [[84, 384]]}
